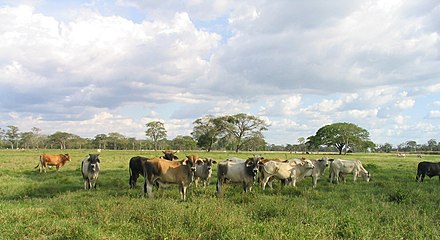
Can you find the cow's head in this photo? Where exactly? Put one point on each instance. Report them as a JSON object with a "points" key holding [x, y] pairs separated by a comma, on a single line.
{"points": [[191, 161], [94, 162], [169, 155], [208, 163], [252, 165], [365, 175], [67, 157]]}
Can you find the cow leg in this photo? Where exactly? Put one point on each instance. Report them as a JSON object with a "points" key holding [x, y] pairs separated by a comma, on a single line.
{"points": [[355, 176], [219, 187], [264, 182], [182, 190], [133, 180], [314, 180]]}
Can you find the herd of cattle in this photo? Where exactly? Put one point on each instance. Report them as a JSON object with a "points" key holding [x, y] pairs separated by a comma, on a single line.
{"points": [[164, 170]]}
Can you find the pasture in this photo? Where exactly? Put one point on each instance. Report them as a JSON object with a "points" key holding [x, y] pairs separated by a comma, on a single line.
{"points": [[54, 205]]}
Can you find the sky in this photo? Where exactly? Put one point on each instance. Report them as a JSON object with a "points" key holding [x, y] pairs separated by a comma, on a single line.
{"points": [[94, 67]]}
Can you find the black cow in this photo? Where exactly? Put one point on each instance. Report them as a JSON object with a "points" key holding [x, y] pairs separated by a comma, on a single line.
{"points": [[429, 169], [136, 166]]}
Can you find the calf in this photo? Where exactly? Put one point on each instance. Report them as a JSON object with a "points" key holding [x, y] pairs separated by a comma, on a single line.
{"points": [[162, 171], [90, 171], [204, 171], [430, 169], [136, 166], [237, 171], [339, 166], [57, 160]]}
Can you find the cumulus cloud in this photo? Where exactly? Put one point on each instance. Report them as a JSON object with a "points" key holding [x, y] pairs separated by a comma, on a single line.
{"points": [[298, 65]]}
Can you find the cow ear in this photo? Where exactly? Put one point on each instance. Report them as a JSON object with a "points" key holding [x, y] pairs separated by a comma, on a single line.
{"points": [[213, 161], [199, 162], [175, 157], [184, 162]]}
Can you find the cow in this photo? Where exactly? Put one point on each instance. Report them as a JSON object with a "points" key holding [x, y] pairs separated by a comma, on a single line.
{"points": [[303, 166], [135, 167], [317, 171], [429, 169], [339, 166], [162, 171], [275, 169], [169, 155], [237, 171], [90, 168], [204, 171], [402, 155], [57, 160]]}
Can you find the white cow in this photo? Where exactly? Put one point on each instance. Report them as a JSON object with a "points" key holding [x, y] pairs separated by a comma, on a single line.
{"points": [[90, 171], [278, 170], [300, 170], [317, 171], [339, 166]]}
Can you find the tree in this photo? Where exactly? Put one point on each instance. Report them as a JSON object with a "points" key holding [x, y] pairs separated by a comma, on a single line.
{"points": [[243, 127], [340, 135], [61, 138], [12, 135], [432, 143], [115, 139], [387, 147], [156, 132], [207, 131], [301, 141], [183, 143]]}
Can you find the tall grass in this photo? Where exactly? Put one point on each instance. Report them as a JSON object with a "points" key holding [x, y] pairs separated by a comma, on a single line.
{"points": [[35, 205]]}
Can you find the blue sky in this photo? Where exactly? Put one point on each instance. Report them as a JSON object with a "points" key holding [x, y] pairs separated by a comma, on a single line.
{"points": [[92, 67]]}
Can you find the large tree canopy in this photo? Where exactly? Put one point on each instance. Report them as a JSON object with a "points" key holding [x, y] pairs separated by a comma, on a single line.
{"points": [[243, 128], [340, 135]]}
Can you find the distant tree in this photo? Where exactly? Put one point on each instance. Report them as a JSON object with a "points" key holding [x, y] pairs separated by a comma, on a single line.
{"points": [[12, 135], [61, 138], [115, 139], [183, 143], [387, 147], [412, 145], [100, 141], [207, 131], [340, 135], [156, 132], [255, 143], [432, 144], [36, 137], [301, 141], [242, 127]]}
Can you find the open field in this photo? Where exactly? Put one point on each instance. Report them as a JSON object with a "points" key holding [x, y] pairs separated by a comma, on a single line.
{"points": [[54, 205]]}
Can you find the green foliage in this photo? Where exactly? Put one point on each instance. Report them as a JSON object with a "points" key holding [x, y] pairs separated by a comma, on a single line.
{"points": [[156, 132], [341, 135], [35, 205]]}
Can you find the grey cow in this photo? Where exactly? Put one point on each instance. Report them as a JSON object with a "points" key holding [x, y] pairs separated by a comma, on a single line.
{"points": [[90, 171], [204, 171]]}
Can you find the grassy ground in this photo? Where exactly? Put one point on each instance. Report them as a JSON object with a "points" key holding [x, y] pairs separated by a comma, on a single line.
{"points": [[35, 205]]}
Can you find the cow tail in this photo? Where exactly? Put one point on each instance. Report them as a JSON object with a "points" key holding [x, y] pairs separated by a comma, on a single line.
{"points": [[39, 162]]}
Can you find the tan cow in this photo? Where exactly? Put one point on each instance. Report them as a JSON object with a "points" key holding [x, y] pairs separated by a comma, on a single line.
{"points": [[57, 160], [162, 171]]}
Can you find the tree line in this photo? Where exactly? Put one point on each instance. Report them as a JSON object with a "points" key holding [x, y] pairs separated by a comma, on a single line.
{"points": [[231, 132]]}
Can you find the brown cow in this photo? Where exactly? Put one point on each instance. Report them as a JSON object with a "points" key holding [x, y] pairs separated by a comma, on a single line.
{"points": [[164, 171], [57, 160]]}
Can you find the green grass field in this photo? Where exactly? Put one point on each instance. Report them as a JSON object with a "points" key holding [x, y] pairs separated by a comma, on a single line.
{"points": [[54, 205]]}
